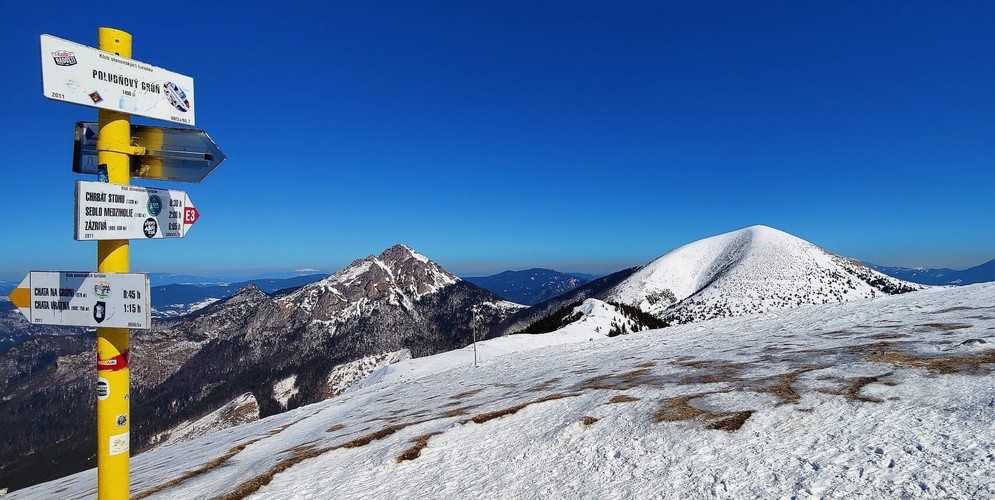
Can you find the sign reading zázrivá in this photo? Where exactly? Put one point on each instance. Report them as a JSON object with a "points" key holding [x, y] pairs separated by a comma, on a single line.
{"points": [[83, 75], [120, 212]]}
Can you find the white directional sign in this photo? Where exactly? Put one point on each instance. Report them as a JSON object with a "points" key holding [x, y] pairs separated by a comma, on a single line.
{"points": [[75, 73], [171, 154], [84, 299], [117, 212]]}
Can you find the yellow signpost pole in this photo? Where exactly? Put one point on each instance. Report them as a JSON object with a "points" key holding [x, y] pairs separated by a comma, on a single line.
{"points": [[113, 408]]}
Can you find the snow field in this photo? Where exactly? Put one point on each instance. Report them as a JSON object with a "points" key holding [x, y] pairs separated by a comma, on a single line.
{"points": [[891, 397]]}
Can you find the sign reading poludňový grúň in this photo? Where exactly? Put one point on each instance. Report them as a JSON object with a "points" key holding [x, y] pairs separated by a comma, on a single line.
{"points": [[75, 73]]}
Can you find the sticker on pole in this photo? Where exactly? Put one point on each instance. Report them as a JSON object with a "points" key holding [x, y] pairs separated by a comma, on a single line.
{"points": [[118, 212], [83, 75], [113, 300], [118, 444]]}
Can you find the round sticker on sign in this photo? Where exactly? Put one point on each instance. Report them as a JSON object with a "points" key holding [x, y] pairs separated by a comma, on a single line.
{"points": [[176, 96], [103, 389], [150, 227], [155, 205]]}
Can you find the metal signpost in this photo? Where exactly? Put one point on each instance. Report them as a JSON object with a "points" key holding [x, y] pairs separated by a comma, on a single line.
{"points": [[115, 212], [84, 299], [168, 154]]}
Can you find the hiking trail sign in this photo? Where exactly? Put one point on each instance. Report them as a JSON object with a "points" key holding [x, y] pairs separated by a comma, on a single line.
{"points": [[66, 298], [72, 72], [107, 211]]}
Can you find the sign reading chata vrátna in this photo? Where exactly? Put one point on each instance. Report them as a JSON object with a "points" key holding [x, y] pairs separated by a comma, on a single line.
{"points": [[119, 212], [83, 75], [113, 300]]}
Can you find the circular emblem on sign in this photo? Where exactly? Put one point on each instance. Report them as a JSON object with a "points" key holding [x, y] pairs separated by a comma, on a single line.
{"points": [[177, 97], [103, 389], [102, 289], [150, 227], [155, 205]]}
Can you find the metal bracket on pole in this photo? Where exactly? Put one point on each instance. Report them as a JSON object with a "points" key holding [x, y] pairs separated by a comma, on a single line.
{"points": [[121, 148]]}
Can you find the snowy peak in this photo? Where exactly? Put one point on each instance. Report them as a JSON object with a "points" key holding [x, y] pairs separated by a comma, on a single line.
{"points": [[752, 270], [399, 276]]}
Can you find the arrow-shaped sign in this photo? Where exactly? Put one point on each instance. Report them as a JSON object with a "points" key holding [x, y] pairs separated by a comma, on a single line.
{"points": [[171, 154], [118, 212], [113, 300]]}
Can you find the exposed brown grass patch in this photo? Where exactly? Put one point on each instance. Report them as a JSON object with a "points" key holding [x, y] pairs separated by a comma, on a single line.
{"points": [[252, 485], [374, 436], [544, 386], [466, 394], [588, 420], [196, 472], [621, 381], [692, 363], [622, 398], [335, 428], [306, 452], [888, 336], [947, 326], [709, 378], [782, 386], [484, 417], [458, 412], [677, 408], [730, 421], [858, 384], [414, 452], [966, 364]]}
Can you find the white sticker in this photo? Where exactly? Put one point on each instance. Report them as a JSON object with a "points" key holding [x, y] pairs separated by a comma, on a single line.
{"points": [[119, 444], [103, 389]]}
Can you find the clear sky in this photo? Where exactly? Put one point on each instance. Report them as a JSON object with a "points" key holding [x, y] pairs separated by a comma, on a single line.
{"points": [[578, 135]]}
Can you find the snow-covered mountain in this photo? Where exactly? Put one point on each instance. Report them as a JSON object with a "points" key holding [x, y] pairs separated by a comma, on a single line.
{"points": [[890, 397], [530, 286], [192, 374], [753, 270]]}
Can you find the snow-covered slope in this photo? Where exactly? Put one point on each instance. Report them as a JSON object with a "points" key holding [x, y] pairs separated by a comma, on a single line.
{"points": [[891, 397], [752, 270]]}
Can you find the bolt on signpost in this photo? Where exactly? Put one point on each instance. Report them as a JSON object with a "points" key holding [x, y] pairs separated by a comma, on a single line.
{"points": [[112, 213]]}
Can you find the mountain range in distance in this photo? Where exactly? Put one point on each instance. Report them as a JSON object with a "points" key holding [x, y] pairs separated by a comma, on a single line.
{"points": [[943, 276]]}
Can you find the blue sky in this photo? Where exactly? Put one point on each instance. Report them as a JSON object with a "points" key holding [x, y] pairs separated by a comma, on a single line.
{"points": [[582, 136]]}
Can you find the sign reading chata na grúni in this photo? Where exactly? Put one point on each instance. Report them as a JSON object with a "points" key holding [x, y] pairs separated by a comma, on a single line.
{"points": [[75, 73], [119, 212], [113, 300]]}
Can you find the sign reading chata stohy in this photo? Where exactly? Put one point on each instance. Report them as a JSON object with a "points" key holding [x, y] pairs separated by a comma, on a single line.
{"points": [[75, 73], [113, 300], [117, 212]]}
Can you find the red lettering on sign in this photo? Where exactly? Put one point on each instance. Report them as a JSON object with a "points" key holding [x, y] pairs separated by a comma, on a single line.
{"points": [[190, 215]]}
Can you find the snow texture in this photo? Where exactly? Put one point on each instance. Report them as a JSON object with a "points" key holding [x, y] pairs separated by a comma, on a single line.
{"points": [[891, 397]]}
